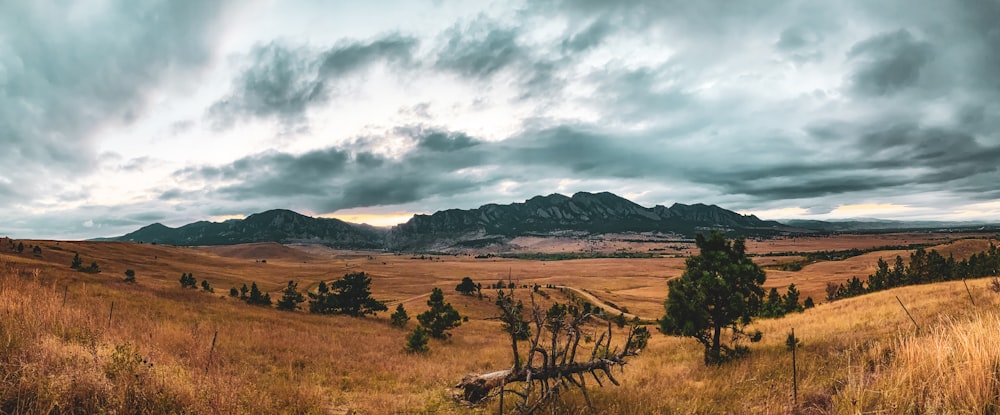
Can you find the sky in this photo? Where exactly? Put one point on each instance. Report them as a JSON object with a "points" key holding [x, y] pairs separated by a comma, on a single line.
{"points": [[118, 114]]}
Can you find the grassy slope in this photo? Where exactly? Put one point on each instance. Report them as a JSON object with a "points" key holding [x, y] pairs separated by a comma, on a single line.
{"points": [[153, 354]]}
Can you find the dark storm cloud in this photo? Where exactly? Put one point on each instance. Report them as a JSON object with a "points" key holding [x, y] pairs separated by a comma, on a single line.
{"points": [[284, 82], [888, 62], [64, 75], [330, 179], [480, 51]]}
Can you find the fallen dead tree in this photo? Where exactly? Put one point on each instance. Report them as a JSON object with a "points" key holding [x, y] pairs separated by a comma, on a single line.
{"points": [[552, 363]]}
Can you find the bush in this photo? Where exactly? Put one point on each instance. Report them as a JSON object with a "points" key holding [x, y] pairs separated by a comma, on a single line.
{"points": [[129, 275]]}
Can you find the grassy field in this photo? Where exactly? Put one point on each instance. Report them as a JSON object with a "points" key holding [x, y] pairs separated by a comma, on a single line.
{"points": [[63, 349]]}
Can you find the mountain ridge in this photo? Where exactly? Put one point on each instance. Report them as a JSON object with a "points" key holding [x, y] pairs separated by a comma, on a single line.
{"points": [[581, 214]]}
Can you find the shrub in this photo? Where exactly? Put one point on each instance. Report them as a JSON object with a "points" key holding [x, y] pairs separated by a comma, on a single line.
{"points": [[416, 341]]}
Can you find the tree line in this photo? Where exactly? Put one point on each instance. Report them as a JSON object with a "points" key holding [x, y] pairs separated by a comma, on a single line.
{"points": [[924, 267]]}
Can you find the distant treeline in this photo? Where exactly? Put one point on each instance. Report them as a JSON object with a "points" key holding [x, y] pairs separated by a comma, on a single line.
{"points": [[562, 256], [834, 255], [924, 267]]}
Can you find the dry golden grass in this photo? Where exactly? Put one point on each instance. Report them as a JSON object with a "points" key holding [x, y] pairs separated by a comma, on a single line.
{"points": [[69, 359]]}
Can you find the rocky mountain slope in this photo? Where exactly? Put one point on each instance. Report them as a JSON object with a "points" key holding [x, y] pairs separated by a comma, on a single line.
{"points": [[580, 215]]}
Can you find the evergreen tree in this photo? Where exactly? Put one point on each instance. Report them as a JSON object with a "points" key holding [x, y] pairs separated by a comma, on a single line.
{"points": [[258, 298], [773, 307], [512, 320], [322, 301], [244, 291], [20, 247], [233, 292], [129, 275], [466, 287], [37, 250], [399, 318], [441, 316], [206, 286], [416, 341], [291, 298], [93, 268], [808, 303], [791, 300], [77, 262], [352, 296], [720, 289]]}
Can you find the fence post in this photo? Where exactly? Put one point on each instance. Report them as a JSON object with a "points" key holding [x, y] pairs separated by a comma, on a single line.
{"points": [[908, 314], [111, 313], [795, 372], [212, 349], [969, 291]]}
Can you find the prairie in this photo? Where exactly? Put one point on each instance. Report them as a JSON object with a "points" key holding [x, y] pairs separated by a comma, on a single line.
{"points": [[63, 348]]}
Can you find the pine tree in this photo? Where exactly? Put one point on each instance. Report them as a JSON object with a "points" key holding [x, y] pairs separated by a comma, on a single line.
{"points": [[322, 301], [773, 307], [466, 287], [129, 275], [416, 341], [352, 296], [291, 298], [720, 289], [791, 300], [206, 286], [77, 262], [258, 298], [441, 316], [243, 291], [20, 247], [399, 318], [233, 292]]}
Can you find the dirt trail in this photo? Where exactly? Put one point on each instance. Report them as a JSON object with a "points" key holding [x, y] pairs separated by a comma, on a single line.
{"points": [[598, 302]]}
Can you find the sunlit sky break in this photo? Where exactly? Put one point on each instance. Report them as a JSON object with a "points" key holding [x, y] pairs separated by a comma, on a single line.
{"points": [[117, 114]]}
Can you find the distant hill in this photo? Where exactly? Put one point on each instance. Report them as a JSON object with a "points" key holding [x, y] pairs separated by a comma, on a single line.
{"points": [[282, 226], [583, 213], [553, 215], [880, 225]]}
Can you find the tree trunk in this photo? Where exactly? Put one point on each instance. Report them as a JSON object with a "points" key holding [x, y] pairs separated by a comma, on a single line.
{"points": [[716, 346]]}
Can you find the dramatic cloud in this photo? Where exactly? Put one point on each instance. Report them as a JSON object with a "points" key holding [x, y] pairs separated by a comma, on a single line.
{"points": [[115, 114], [888, 62], [283, 82], [68, 71]]}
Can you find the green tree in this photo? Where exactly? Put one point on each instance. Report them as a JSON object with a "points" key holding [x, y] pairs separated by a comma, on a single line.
{"points": [[291, 298], [773, 307], [256, 297], [206, 286], [719, 290], [188, 280], [466, 287], [399, 318], [77, 262], [416, 341], [808, 303], [129, 275], [322, 301], [37, 250], [20, 247], [233, 292], [791, 300], [441, 316], [244, 291], [93, 268], [352, 296]]}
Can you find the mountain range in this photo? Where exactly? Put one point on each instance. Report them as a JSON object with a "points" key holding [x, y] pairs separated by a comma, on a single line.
{"points": [[580, 215]]}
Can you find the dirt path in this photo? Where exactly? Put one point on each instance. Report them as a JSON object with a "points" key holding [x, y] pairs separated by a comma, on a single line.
{"points": [[598, 302]]}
